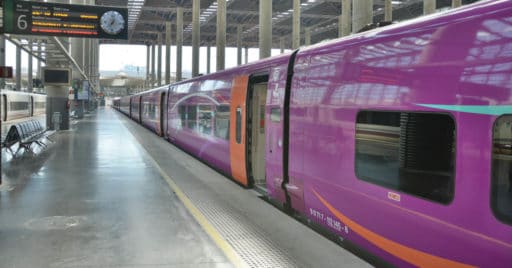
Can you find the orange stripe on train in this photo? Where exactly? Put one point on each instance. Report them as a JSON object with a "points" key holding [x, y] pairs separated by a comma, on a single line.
{"points": [[410, 255]]}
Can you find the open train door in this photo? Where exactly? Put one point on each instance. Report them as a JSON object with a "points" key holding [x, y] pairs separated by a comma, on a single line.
{"points": [[237, 130], [277, 132]]}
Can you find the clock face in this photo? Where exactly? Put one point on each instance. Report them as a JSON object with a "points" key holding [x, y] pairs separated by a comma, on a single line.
{"points": [[112, 22]]}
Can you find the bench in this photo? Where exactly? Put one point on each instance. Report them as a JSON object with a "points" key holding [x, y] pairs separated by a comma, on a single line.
{"points": [[25, 134]]}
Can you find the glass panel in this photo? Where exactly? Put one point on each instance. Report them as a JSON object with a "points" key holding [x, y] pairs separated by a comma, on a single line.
{"points": [[192, 117], [222, 122], [501, 197], [205, 119], [183, 115], [409, 152], [275, 114]]}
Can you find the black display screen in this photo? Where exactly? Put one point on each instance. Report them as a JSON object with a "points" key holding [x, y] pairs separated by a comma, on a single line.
{"points": [[56, 76]]}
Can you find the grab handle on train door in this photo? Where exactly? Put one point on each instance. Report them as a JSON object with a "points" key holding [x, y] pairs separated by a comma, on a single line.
{"points": [[270, 143]]}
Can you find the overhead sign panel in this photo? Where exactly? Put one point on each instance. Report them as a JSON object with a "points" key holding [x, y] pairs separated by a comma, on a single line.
{"points": [[39, 18]]}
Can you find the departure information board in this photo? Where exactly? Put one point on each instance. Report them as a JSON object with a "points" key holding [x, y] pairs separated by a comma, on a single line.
{"points": [[39, 18]]}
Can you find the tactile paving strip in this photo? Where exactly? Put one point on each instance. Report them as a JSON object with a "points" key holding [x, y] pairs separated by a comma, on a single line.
{"points": [[250, 243]]}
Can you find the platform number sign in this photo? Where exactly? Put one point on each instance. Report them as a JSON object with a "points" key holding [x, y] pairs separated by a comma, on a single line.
{"points": [[42, 18]]}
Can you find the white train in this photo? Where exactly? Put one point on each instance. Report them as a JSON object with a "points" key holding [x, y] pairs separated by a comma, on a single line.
{"points": [[15, 105]]}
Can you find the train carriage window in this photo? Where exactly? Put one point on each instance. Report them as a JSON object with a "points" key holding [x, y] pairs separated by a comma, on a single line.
{"points": [[408, 152], [183, 115], [192, 117], [40, 105], [222, 121], [501, 190], [205, 119], [18, 105], [275, 114]]}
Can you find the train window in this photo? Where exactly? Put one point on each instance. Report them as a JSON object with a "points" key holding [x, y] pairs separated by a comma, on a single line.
{"points": [[501, 190], [18, 105], [409, 152], [192, 117], [275, 114], [40, 105], [205, 119], [238, 125], [222, 122], [183, 115]]}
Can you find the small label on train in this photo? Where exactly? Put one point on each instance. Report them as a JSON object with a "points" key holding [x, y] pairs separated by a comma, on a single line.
{"points": [[394, 196]]}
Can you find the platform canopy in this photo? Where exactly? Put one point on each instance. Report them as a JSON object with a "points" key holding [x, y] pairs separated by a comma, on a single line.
{"points": [[147, 18]]}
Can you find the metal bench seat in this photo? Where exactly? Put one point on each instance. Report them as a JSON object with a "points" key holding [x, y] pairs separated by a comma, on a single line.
{"points": [[25, 134]]}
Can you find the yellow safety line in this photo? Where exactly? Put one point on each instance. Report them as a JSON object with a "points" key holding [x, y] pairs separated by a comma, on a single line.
{"points": [[201, 219]]}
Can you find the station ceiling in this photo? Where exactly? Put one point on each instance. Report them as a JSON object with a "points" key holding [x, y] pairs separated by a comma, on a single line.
{"points": [[148, 19]]}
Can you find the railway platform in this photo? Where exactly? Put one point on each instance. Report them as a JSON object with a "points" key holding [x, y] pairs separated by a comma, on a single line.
{"points": [[112, 194]]}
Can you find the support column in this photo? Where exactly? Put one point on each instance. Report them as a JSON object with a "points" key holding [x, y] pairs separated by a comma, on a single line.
{"points": [[195, 37], [18, 68], [148, 66], [239, 45], [39, 48], [167, 52], [30, 64], [281, 44], [265, 33], [429, 7], [362, 14], [246, 55], [87, 54], [296, 24], [159, 68], [456, 3], [77, 52], [307, 36], [345, 20], [221, 34], [2, 58], [208, 59], [153, 77], [179, 42], [96, 64], [388, 10]]}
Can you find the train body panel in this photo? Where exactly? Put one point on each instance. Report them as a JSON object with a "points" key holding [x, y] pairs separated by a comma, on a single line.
{"points": [[427, 68], [17, 105], [397, 139], [199, 112], [39, 104]]}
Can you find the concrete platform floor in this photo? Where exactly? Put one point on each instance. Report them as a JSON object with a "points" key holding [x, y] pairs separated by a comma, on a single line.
{"points": [[95, 200]]}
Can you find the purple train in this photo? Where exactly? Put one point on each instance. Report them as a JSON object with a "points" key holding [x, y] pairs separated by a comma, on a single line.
{"points": [[398, 139]]}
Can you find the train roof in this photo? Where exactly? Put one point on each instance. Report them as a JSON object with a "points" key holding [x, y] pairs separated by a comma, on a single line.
{"points": [[428, 21]]}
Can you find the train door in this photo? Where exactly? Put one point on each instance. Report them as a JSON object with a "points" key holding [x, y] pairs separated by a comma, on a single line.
{"points": [[237, 130], [257, 98], [276, 144]]}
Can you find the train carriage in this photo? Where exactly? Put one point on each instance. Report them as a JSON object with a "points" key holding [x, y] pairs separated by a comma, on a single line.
{"points": [[398, 139], [17, 105]]}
